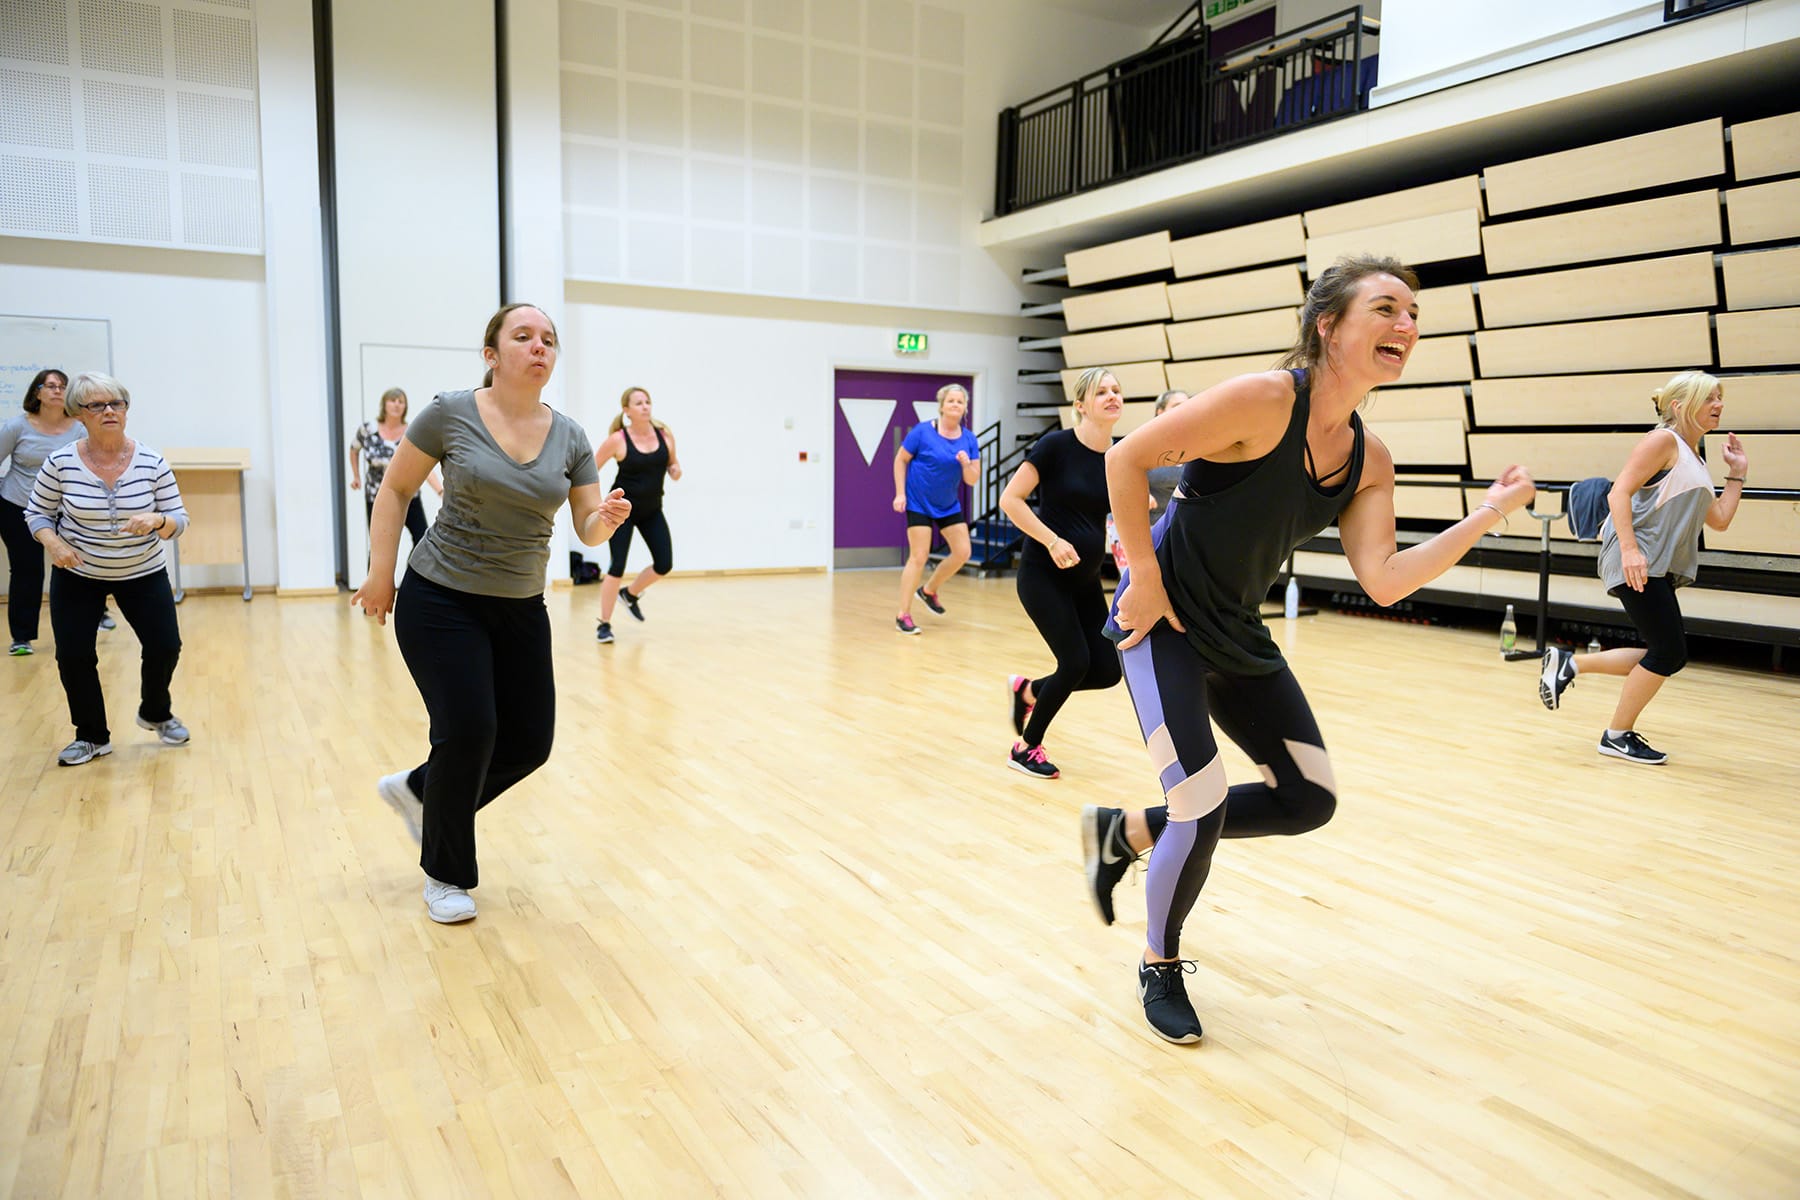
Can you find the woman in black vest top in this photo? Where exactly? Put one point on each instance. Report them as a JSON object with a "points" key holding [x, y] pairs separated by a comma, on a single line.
{"points": [[645, 451], [1271, 459]]}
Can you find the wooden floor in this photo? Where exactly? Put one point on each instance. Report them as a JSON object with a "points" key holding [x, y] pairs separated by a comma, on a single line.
{"points": [[776, 920]]}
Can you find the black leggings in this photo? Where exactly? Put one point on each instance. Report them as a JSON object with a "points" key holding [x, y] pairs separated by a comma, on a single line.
{"points": [[655, 529], [1175, 692], [148, 606], [25, 560], [1069, 611], [482, 664], [415, 517], [1657, 615]]}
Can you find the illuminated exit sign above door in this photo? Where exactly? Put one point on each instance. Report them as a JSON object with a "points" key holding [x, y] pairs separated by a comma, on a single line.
{"points": [[911, 343]]}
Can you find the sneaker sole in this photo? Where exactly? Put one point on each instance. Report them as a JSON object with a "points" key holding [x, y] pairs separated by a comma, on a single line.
{"points": [[1033, 774], [84, 762], [457, 920], [1090, 856], [143, 724], [915, 631], [1609, 752], [1547, 684]]}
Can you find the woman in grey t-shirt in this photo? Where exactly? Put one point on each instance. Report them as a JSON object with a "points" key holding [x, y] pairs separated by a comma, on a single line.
{"points": [[25, 441], [470, 617]]}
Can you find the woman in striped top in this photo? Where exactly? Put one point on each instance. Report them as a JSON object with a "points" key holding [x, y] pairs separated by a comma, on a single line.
{"points": [[103, 507]]}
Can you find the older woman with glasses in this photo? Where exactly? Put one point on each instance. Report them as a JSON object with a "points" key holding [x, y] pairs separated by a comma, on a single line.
{"points": [[103, 507]]}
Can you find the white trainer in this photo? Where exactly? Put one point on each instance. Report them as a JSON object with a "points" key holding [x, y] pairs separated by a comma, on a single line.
{"points": [[399, 796], [446, 903]]}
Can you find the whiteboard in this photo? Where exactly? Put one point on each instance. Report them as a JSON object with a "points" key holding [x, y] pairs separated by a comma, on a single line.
{"points": [[30, 344]]}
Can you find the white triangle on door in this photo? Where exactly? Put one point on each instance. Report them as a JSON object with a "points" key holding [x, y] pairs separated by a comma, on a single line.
{"points": [[927, 410], [868, 420]]}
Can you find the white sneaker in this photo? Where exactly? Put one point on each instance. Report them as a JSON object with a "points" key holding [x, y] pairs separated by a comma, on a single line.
{"points": [[399, 796], [446, 903], [172, 732], [78, 752]]}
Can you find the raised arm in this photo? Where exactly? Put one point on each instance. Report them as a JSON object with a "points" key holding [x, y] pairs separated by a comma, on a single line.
{"points": [[1737, 474], [406, 471], [169, 517], [1366, 529], [597, 517], [971, 467]]}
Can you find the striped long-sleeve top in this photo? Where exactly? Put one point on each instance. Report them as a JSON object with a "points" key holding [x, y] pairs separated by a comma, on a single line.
{"points": [[90, 516]]}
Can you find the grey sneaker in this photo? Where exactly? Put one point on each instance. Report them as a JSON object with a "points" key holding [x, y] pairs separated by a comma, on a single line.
{"points": [[1632, 748], [172, 731], [78, 752], [107, 622], [400, 797], [1557, 674], [446, 903]]}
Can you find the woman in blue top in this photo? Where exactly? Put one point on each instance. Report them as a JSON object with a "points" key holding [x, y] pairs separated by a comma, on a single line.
{"points": [[935, 461]]}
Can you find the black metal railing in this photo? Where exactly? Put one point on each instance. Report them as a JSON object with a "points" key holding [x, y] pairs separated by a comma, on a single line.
{"points": [[1173, 103], [1681, 10], [993, 538]]}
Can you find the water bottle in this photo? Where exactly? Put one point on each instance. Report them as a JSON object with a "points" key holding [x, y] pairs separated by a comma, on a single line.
{"points": [[1594, 644], [1509, 632], [1290, 599]]}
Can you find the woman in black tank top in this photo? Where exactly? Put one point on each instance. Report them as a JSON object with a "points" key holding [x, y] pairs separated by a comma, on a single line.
{"points": [[1270, 460], [644, 449]]}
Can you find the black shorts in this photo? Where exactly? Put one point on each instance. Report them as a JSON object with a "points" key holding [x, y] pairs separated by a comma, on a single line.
{"points": [[914, 519]]}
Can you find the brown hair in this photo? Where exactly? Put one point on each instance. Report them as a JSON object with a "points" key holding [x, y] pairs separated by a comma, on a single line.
{"points": [[31, 401], [618, 421], [491, 339], [1329, 299], [392, 394]]}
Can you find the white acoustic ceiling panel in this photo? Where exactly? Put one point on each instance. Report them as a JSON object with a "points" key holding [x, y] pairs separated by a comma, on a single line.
{"points": [[130, 121]]}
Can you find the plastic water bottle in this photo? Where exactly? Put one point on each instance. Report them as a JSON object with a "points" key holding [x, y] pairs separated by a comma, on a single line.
{"points": [[1594, 644], [1509, 632], [1290, 600]]}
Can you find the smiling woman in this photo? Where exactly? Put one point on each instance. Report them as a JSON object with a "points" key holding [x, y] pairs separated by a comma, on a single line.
{"points": [[1271, 459]]}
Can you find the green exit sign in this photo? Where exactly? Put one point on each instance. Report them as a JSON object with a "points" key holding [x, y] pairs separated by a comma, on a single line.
{"points": [[911, 343]]}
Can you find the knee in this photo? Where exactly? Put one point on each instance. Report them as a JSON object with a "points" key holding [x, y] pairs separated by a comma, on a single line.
{"points": [[1665, 660], [1104, 671], [1309, 807], [1074, 664], [662, 566]]}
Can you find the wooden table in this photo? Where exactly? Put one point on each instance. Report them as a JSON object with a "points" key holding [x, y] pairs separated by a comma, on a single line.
{"points": [[212, 489]]}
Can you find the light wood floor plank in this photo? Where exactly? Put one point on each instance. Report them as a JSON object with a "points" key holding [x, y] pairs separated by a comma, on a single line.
{"points": [[776, 920]]}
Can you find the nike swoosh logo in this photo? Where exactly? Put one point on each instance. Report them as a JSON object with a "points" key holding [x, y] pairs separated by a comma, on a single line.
{"points": [[1107, 854]]}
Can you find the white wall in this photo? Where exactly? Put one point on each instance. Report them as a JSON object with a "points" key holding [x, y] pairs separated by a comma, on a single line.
{"points": [[729, 386], [187, 340], [1430, 44]]}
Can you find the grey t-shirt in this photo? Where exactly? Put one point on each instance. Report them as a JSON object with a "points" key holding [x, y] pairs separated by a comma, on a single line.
{"points": [[492, 536], [27, 447]]}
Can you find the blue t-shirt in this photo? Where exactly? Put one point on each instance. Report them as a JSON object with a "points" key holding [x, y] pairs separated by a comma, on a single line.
{"points": [[933, 477]]}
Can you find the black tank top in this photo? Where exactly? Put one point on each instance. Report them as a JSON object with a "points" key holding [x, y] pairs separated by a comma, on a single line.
{"points": [[641, 474], [1230, 530]]}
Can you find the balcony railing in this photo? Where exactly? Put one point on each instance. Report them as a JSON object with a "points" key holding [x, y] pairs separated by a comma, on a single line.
{"points": [[1173, 104]]}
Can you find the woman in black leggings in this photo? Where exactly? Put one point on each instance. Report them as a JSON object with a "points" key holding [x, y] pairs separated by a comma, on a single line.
{"points": [[1649, 547], [1059, 573], [470, 617], [1271, 459], [645, 451]]}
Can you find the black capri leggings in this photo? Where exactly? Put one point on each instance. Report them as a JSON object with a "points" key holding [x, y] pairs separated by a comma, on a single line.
{"points": [[1069, 610], [1657, 615], [655, 529]]}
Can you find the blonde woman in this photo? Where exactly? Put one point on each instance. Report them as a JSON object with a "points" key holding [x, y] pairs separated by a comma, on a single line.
{"points": [[374, 448], [1059, 573], [936, 460], [1649, 547], [644, 450]]}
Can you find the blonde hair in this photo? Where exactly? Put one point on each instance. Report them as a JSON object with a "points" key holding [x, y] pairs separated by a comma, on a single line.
{"points": [[391, 394], [618, 422], [1679, 400], [90, 384], [943, 394], [1087, 383]]}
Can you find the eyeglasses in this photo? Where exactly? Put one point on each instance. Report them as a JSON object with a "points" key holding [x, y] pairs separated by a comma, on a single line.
{"points": [[97, 406]]}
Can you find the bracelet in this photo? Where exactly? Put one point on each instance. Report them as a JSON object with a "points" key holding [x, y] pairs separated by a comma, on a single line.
{"points": [[1496, 508], [1736, 479]]}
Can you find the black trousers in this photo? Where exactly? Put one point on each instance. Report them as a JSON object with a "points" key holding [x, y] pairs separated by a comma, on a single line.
{"points": [[482, 664], [25, 586], [1069, 610], [655, 529], [415, 516], [1657, 615], [148, 606]]}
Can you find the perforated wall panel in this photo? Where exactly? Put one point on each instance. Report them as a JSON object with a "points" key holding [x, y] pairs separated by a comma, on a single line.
{"points": [[130, 121], [36, 110], [35, 30], [37, 196]]}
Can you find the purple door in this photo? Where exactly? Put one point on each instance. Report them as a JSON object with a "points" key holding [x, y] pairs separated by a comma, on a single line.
{"points": [[875, 412]]}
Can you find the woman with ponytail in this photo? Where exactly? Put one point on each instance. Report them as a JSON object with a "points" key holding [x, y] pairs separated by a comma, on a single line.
{"points": [[1649, 547], [644, 449]]}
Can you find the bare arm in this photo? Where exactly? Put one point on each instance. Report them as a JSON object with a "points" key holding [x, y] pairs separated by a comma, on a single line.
{"points": [[406, 471], [674, 465], [1655, 453], [1366, 529], [355, 466], [1014, 505], [1737, 470], [902, 456], [597, 517], [971, 468]]}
